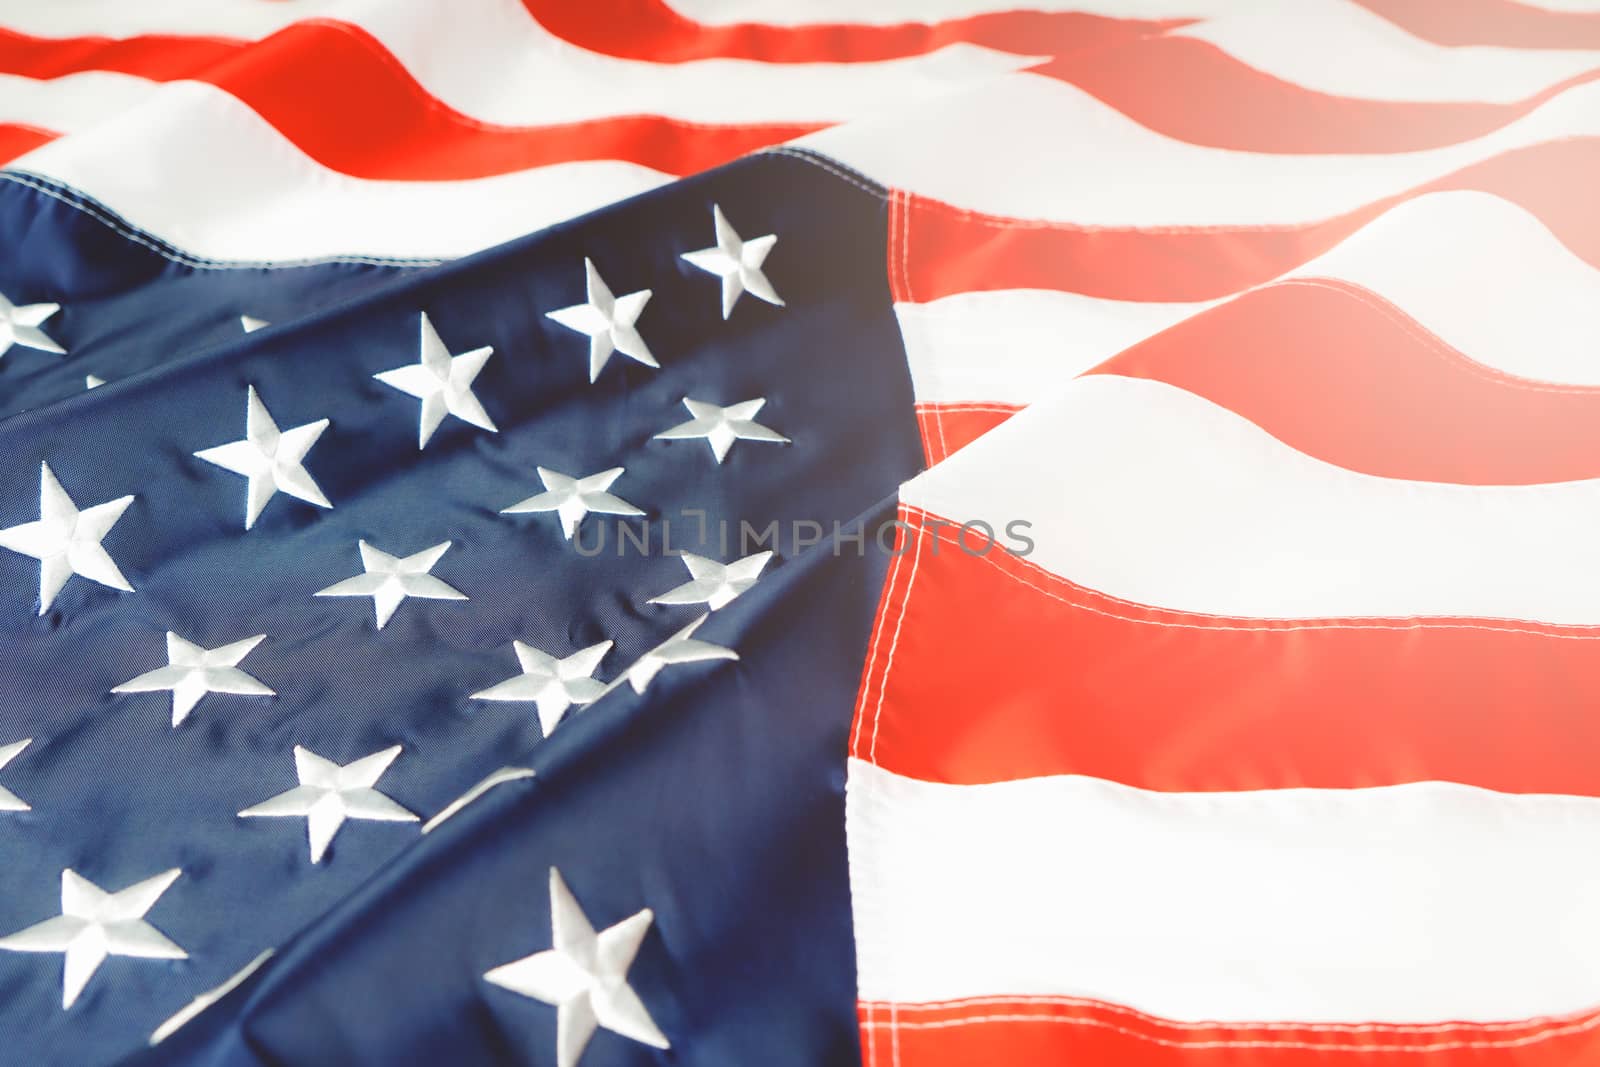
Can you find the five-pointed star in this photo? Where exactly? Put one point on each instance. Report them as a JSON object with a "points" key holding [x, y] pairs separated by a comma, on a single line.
{"points": [[20, 326], [9, 801], [66, 541], [250, 324], [443, 383], [328, 794], [554, 684], [585, 976], [192, 671], [681, 647], [608, 321], [94, 924], [722, 426], [737, 262], [573, 498], [270, 458], [390, 579], [714, 584], [93, 381]]}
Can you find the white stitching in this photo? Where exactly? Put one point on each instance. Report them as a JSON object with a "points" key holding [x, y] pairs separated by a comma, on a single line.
{"points": [[888, 666], [838, 170], [1438, 1046], [872, 657], [1451, 355], [123, 229], [1378, 622]]}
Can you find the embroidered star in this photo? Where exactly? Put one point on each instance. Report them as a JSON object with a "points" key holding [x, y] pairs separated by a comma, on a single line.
{"points": [[443, 383], [93, 381], [328, 794], [9, 801], [737, 262], [250, 324], [681, 647], [573, 498], [20, 326], [390, 579], [66, 541], [722, 426], [192, 671], [272, 459], [714, 584], [608, 321], [553, 684], [94, 924], [585, 976]]}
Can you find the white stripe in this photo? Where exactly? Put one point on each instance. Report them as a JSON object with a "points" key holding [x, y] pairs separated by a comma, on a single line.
{"points": [[1416, 903], [1485, 276], [1333, 46], [69, 103], [891, 12], [491, 60], [1015, 346], [1034, 147], [1149, 493], [224, 184]]}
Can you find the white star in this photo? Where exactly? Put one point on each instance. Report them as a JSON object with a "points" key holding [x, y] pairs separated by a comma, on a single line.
{"points": [[94, 924], [554, 684], [66, 541], [192, 671], [608, 321], [9, 801], [270, 458], [93, 381], [573, 498], [681, 647], [443, 383], [250, 324], [737, 262], [20, 326], [722, 426], [328, 794], [389, 579], [585, 976], [714, 584]]}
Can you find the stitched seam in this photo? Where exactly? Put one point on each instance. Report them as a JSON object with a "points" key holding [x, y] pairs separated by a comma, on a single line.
{"points": [[894, 644], [974, 405], [1450, 355], [1004, 222], [125, 230], [838, 170], [872, 656], [1375, 622], [1132, 1013], [1438, 1046]]}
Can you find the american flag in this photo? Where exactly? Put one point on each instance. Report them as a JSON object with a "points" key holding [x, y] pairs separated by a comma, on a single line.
{"points": [[729, 532]]}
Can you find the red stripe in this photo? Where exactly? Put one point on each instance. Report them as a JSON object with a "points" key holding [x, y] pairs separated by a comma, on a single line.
{"points": [[650, 30], [1491, 22], [17, 140], [946, 428], [992, 669], [159, 57], [1035, 1031], [946, 250], [350, 105], [1193, 91], [1350, 394]]}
